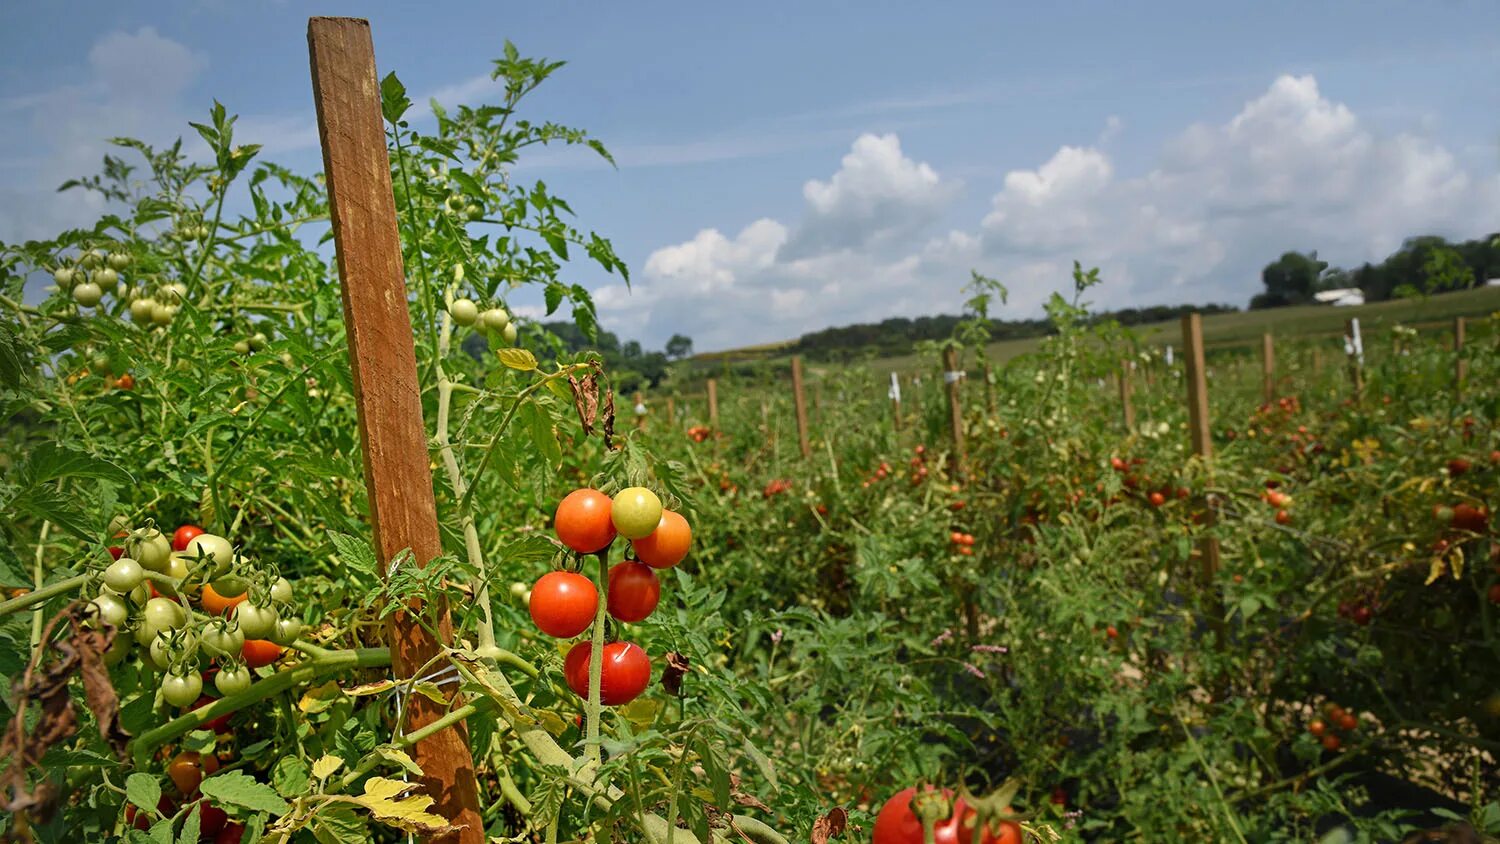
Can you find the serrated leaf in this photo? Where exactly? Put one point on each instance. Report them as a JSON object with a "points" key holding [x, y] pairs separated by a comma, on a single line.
{"points": [[400, 804], [399, 757], [543, 435], [143, 790], [236, 788], [289, 777], [326, 767], [192, 825], [521, 359], [355, 553], [431, 691], [339, 825]]}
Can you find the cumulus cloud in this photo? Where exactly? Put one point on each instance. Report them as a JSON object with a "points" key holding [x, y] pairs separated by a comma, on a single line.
{"points": [[1292, 169]]}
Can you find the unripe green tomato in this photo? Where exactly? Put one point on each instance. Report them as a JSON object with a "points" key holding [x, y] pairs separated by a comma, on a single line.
{"points": [[258, 341], [230, 585], [90, 259], [256, 622], [118, 260], [215, 551], [473, 212], [139, 595], [510, 334], [242, 347], [163, 614], [87, 294], [287, 630], [118, 650], [495, 319], [182, 689], [110, 609], [104, 277], [636, 511], [124, 575], [222, 640], [281, 591], [178, 566], [140, 309], [232, 681], [159, 653], [161, 314], [517, 589], [122, 291], [150, 548], [63, 276], [464, 311], [100, 362]]}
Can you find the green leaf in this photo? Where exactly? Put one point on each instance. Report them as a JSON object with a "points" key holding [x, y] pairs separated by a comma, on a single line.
{"points": [[558, 243], [290, 776], [467, 183], [393, 100], [63, 511], [50, 461], [339, 825], [355, 553], [716, 766], [518, 359], [554, 296], [137, 716], [236, 788], [543, 436], [192, 825], [15, 363], [143, 790], [762, 764]]}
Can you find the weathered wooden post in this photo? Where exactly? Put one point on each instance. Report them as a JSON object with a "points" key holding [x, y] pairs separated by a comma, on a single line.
{"points": [[895, 394], [951, 376], [1460, 364], [713, 404], [1268, 366], [1125, 404], [800, 403], [671, 412], [393, 436], [1198, 426], [1355, 349]]}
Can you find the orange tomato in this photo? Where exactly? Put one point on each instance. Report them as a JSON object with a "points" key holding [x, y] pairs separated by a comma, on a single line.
{"points": [[668, 544], [582, 521], [216, 604]]}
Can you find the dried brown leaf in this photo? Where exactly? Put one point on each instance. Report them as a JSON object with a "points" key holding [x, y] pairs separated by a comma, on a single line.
{"points": [[830, 825]]}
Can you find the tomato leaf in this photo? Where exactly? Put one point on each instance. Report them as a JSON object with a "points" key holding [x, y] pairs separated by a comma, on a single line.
{"points": [[143, 790], [402, 805], [338, 825], [518, 359], [326, 767], [289, 776], [237, 788], [762, 764]]}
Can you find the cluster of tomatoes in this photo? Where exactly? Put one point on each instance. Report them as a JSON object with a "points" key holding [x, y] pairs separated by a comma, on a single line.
{"points": [[1339, 723], [962, 543], [565, 603], [493, 320], [187, 771], [1279, 501], [919, 465], [182, 599], [881, 472], [699, 433], [777, 486], [898, 823]]}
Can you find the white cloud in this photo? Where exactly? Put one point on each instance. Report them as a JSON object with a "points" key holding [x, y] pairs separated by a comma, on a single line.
{"points": [[1292, 169]]}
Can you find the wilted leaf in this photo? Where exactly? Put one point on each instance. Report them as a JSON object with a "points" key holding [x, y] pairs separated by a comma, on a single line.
{"points": [[518, 359], [402, 805], [830, 825]]}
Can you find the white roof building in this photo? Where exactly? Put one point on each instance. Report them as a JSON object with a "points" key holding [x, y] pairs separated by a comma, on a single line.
{"points": [[1341, 297]]}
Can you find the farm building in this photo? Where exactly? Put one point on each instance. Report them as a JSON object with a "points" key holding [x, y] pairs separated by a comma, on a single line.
{"points": [[1341, 297]]}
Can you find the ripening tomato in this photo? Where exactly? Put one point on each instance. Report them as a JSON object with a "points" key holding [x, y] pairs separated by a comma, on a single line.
{"points": [[668, 544], [187, 770], [1332, 742], [635, 511], [1317, 728], [1471, 518], [211, 819], [564, 603], [260, 652], [1283, 517], [633, 591], [216, 604], [184, 535], [1157, 499], [1349, 722], [624, 674], [583, 521], [898, 824], [232, 833], [136, 819]]}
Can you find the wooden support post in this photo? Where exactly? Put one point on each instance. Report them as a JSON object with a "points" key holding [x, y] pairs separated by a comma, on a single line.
{"points": [[671, 412], [895, 394], [713, 404], [1460, 364], [1354, 348], [800, 402], [1125, 404], [1268, 366], [951, 376], [1198, 424], [393, 437]]}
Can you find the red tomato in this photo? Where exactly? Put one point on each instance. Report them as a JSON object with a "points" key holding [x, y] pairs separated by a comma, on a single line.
{"points": [[625, 673], [116, 552], [216, 604], [563, 603], [211, 819], [582, 521], [897, 824], [184, 535], [187, 770], [1317, 728], [232, 833], [668, 544], [1157, 499], [260, 652], [141, 820], [1283, 517], [1471, 518], [633, 591]]}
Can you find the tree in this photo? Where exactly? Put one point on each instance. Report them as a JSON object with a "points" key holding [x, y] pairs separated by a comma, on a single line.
{"points": [[679, 347], [1291, 279]]}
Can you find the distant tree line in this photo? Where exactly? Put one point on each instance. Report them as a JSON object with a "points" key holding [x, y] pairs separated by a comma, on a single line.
{"points": [[630, 366], [898, 335], [1423, 266]]}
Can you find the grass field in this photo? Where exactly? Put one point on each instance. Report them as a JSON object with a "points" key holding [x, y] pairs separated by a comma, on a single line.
{"points": [[1222, 330]]}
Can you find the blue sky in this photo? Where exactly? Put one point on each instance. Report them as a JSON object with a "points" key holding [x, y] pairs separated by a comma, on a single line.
{"points": [[785, 167]]}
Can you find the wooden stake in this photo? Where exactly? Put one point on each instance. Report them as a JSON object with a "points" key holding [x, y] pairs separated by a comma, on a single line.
{"points": [[1125, 404], [951, 376], [800, 402], [1268, 365], [1198, 423], [393, 437], [1460, 365], [895, 394], [671, 412], [713, 404], [1353, 347]]}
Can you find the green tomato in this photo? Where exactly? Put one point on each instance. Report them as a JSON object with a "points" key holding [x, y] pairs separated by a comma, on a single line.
{"points": [[140, 309], [232, 681], [256, 622], [281, 591], [104, 277], [636, 511], [139, 595], [221, 640], [159, 653], [287, 630], [110, 609], [163, 614], [90, 259], [162, 314], [118, 650], [510, 334], [495, 319], [63, 276], [464, 312], [241, 347], [149, 547], [215, 551], [258, 341], [182, 689], [124, 575], [87, 294], [118, 260]]}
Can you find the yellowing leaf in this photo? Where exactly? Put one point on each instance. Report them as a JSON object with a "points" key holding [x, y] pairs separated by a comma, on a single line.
{"points": [[374, 688], [325, 767], [400, 804], [320, 698], [408, 764], [431, 691], [518, 359]]}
